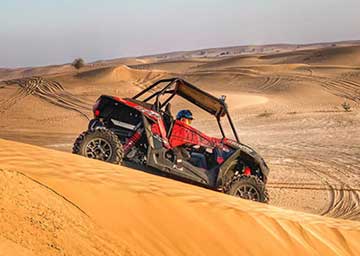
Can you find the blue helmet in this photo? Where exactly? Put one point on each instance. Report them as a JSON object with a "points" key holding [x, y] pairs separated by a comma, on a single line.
{"points": [[185, 113]]}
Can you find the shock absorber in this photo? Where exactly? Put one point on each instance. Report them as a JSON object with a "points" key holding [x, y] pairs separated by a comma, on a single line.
{"points": [[132, 140]]}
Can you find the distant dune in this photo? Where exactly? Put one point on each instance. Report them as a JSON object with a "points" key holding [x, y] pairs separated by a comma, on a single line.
{"points": [[6, 74], [309, 53], [348, 55], [118, 73], [341, 56]]}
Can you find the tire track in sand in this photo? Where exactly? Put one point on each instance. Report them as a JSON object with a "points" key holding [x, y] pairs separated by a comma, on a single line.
{"points": [[344, 199], [344, 195], [342, 87], [338, 86], [270, 83], [48, 90]]}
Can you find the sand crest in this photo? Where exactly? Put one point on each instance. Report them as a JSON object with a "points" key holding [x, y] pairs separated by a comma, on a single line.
{"points": [[157, 216]]}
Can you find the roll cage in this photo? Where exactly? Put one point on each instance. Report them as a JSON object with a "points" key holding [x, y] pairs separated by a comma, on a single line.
{"points": [[176, 86]]}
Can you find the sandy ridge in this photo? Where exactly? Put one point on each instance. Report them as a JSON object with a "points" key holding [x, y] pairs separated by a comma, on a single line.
{"points": [[165, 217]]}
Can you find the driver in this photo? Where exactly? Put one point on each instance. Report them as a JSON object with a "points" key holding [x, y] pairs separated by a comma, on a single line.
{"points": [[185, 116], [197, 159]]}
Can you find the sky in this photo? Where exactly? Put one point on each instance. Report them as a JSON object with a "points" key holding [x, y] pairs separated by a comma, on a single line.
{"points": [[44, 32]]}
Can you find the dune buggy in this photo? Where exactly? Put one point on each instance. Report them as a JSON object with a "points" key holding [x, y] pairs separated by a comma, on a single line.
{"points": [[142, 130]]}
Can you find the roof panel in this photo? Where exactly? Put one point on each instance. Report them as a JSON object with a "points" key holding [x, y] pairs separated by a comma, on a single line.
{"points": [[200, 98]]}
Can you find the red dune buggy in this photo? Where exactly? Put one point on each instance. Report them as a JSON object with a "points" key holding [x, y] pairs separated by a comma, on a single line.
{"points": [[142, 130]]}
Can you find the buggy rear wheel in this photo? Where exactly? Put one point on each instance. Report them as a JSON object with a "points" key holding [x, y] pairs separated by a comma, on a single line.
{"points": [[248, 187], [101, 144]]}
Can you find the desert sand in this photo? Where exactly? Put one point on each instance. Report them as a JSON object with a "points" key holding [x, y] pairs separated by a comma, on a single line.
{"points": [[66, 204], [286, 103]]}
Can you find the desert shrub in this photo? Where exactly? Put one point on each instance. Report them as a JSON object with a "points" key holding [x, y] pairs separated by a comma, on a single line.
{"points": [[78, 63], [265, 114], [224, 53], [346, 106]]}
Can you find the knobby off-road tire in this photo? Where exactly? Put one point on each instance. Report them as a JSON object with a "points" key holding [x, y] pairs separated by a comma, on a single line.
{"points": [[248, 187], [101, 144]]}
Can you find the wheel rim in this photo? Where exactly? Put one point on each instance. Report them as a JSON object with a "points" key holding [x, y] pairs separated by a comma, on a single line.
{"points": [[98, 149], [249, 192]]}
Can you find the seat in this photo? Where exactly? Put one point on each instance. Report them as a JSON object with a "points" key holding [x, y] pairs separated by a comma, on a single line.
{"points": [[198, 160], [168, 119]]}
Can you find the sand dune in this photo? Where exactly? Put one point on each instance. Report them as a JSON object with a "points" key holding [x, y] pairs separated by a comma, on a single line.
{"points": [[8, 247], [223, 52], [38, 221], [119, 73], [6, 74], [348, 55], [65, 69], [149, 214], [174, 66]]}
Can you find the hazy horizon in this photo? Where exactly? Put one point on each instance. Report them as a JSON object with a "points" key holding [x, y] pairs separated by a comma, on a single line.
{"points": [[49, 32]]}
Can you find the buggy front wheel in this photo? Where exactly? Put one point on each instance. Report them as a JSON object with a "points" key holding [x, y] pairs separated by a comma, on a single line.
{"points": [[248, 187]]}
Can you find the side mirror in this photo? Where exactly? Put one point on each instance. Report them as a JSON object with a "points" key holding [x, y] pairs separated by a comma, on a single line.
{"points": [[223, 98]]}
